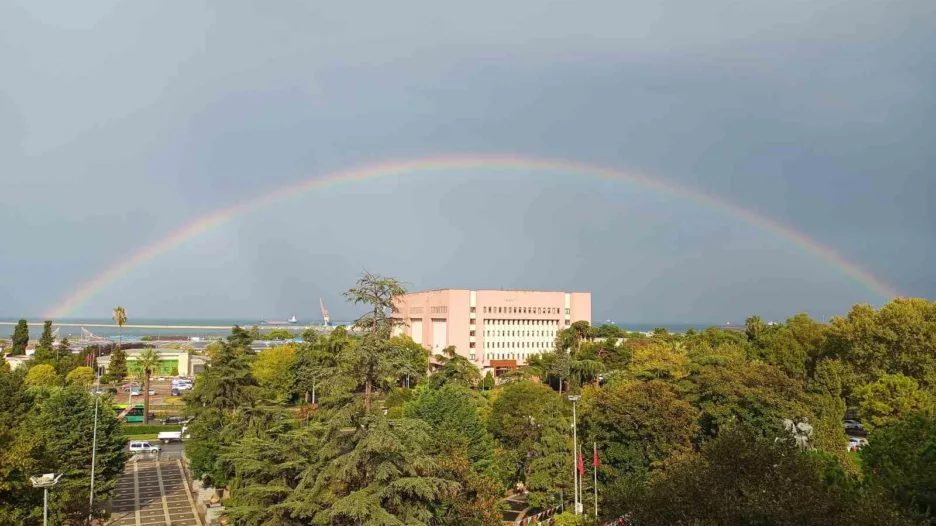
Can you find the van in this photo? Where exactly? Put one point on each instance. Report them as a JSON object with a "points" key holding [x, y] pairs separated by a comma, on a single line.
{"points": [[143, 447]]}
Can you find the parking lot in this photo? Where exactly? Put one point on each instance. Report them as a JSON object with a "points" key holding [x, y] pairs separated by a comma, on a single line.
{"points": [[154, 493]]}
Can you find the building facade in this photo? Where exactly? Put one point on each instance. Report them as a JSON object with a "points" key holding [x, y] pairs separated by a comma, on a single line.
{"points": [[492, 328]]}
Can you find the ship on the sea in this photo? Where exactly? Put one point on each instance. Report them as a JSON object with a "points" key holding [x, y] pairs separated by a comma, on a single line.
{"points": [[291, 321]]}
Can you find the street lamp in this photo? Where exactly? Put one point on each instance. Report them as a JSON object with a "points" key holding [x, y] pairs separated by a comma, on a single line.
{"points": [[45, 482], [575, 480]]}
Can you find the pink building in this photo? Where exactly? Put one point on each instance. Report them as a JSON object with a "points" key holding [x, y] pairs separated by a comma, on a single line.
{"points": [[492, 328]]}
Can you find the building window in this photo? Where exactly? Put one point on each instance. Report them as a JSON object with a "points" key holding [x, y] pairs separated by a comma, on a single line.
{"points": [[472, 309], [471, 357], [471, 345], [568, 323], [568, 311], [471, 333], [438, 310]]}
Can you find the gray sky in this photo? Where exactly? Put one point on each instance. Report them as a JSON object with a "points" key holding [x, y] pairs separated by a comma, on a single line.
{"points": [[123, 121]]}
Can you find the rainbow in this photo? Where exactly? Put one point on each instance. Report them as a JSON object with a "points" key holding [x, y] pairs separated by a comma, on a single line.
{"points": [[444, 163]]}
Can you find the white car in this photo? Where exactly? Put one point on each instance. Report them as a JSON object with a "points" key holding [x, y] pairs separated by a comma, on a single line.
{"points": [[856, 443], [143, 447], [853, 425]]}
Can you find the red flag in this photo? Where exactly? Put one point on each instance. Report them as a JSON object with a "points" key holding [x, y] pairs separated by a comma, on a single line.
{"points": [[581, 464], [595, 462]]}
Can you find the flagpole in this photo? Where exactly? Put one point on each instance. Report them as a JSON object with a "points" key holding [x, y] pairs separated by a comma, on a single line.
{"points": [[596, 480], [581, 479]]}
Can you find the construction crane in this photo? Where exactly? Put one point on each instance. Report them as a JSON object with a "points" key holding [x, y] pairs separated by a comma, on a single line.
{"points": [[324, 312]]}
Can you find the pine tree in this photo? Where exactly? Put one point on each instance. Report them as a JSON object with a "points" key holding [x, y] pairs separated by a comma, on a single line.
{"points": [[44, 352], [20, 337], [377, 474], [117, 370]]}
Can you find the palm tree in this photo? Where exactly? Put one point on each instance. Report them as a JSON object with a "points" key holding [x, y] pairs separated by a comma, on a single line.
{"points": [[148, 361], [119, 315]]}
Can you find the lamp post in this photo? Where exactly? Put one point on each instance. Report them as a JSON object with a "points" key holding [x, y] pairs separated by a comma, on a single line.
{"points": [[45, 482], [575, 480]]}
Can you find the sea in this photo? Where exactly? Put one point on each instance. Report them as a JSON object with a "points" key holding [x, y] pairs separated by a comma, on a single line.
{"points": [[71, 327]]}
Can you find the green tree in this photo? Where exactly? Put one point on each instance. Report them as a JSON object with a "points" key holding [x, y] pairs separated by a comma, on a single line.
{"points": [[240, 338], [488, 383], [222, 403], [119, 315], [757, 396], [278, 334], [51, 435], [147, 362], [753, 327], [454, 368], [527, 420], [741, 478], [42, 375], [777, 345], [316, 365], [117, 370], [378, 292], [20, 337], [898, 338], [409, 359], [452, 413], [82, 376], [267, 466], [378, 474], [274, 369], [44, 351], [255, 333], [900, 459], [637, 427], [310, 335], [18, 455], [891, 398]]}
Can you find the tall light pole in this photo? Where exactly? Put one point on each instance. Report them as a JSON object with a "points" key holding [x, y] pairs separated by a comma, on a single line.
{"points": [[45, 482], [575, 480]]}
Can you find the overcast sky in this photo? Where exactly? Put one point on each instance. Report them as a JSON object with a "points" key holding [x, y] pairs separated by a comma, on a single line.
{"points": [[123, 121]]}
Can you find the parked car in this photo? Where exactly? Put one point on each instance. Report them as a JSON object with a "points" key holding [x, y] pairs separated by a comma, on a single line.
{"points": [[136, 390], [856, 443], [152, 392], [143, 447], [853, 425], [172, 420], [175, 391]]}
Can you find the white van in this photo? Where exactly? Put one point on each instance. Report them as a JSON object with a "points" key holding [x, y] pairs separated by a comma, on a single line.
{"points": [[143, 447]]}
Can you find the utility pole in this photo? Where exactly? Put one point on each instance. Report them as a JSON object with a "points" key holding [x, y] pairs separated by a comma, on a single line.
{"points": [[575, 478]]}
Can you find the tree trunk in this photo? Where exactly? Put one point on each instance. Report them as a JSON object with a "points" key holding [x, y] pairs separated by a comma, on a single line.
{"points": [[367, 394], [146, 398]]}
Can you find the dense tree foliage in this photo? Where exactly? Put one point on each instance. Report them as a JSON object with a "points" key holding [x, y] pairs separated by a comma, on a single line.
{"points": [[359, 428], [20, 337], [117, 370], [46, 429], [901, 460]]}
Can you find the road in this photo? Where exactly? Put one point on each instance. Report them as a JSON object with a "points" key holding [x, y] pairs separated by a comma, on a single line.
{"points": [[154, 493]]}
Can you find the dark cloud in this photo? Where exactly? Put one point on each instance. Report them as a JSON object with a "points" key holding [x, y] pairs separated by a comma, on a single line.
{"points": [[121, 122]]}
